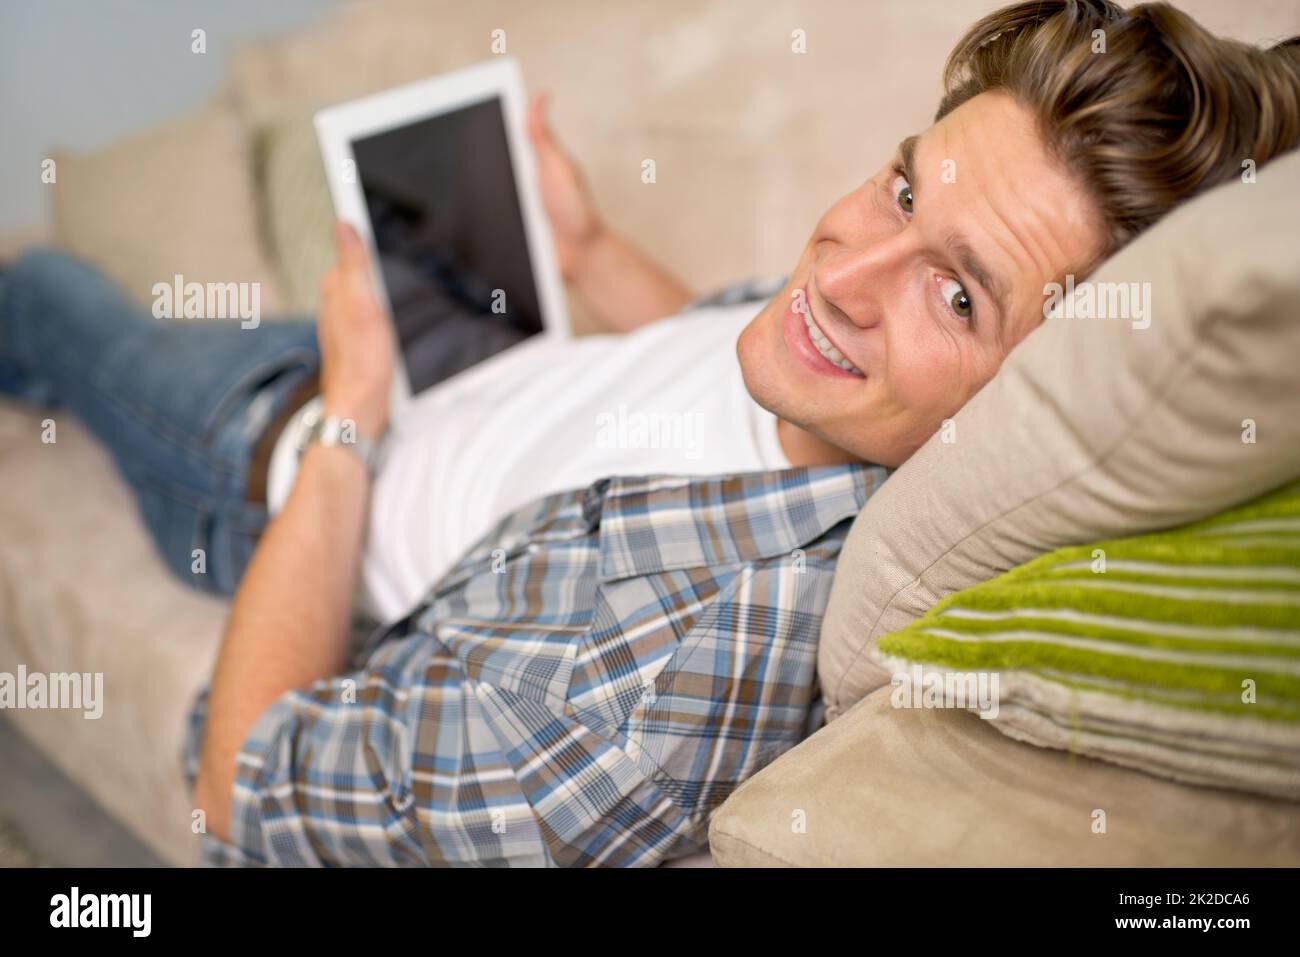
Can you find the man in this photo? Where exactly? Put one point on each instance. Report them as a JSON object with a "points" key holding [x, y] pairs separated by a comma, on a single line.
{"points": [[581, 679]]}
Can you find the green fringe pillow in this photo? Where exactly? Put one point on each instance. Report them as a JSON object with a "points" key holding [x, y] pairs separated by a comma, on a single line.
{"points": [[1177, 653]]}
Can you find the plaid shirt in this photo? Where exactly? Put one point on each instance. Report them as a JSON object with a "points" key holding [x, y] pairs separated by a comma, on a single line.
{"points": [[584, 688]]}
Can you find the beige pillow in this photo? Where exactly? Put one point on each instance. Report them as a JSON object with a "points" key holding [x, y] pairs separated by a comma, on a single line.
{"points": [[1096, 428], [176, 199], [940, 787]]}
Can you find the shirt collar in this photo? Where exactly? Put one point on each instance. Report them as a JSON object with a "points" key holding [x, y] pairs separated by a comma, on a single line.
{"points": [[655, 523]]}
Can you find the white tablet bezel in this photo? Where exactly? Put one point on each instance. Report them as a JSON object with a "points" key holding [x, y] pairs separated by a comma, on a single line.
{"points": [[338, 126]]}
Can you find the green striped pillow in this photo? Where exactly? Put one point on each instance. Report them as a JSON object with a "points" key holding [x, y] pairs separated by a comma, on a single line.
{"points": [[1177, 653]]}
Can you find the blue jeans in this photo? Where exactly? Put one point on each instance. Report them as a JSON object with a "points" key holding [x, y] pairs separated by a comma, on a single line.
{"points": [[179, 404]]}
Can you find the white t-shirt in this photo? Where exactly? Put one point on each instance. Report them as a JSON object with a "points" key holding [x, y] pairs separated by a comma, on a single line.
{"points": [[548, 416]]}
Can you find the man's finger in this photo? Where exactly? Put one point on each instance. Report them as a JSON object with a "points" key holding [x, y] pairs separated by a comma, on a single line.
{"points": [[353, 261], [537, 128], [348, 245]]}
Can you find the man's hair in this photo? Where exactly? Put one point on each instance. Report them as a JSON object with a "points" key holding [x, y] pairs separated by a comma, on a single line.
{"points": [[1167, 111]]}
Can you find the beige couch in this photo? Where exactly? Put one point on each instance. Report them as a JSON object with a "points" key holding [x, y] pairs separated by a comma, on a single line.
{"points": [[751, 142]]}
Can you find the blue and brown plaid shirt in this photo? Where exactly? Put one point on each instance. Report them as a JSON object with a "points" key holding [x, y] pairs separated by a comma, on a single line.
{"points": [[584, 688]]}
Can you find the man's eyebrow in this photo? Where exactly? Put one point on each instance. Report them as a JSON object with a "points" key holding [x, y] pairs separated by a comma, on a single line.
{"points": [[907, 151], [993, 287]]}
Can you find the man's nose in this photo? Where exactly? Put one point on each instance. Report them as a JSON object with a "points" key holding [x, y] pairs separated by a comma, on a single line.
{"points": [[859, 280]]}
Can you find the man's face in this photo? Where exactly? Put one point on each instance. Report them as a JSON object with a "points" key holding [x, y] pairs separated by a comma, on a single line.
{"points": [[914, 286]]}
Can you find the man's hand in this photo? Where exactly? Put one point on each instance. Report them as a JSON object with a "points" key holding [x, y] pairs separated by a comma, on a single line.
{"points": [[565, 196], [621, 286], [356, 340]]}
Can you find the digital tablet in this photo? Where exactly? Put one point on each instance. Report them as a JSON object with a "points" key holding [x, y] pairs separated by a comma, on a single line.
{"points": [[438, 178]]}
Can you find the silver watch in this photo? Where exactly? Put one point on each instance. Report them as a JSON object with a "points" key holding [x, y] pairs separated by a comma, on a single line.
{"points": [[333, 430]]}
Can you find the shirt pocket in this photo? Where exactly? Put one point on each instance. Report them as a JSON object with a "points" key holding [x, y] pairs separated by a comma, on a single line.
{"points": [[638, 626], [528, 658]]}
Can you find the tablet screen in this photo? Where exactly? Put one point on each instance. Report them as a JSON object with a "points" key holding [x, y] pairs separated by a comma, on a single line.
{"points": [[449, 233]]}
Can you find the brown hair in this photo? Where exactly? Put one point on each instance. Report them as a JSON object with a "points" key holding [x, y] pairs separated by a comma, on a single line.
{"points": [[1167, 111]]}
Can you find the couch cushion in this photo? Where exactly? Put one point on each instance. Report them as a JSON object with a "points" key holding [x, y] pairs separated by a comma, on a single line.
{"points": [[939, 787], [1096, 428], [176, 199], [82, 589]]}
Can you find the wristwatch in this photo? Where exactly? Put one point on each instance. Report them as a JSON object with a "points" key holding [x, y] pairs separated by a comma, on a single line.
{"points": [[333, 430]]}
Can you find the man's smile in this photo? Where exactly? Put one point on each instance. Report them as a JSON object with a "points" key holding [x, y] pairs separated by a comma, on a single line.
{"points": [[810, 343]]}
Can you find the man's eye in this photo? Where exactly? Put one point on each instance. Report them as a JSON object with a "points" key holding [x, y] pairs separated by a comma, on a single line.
{"points": [[902, 191], [956, 297]]}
